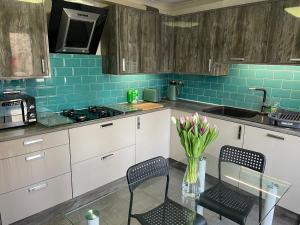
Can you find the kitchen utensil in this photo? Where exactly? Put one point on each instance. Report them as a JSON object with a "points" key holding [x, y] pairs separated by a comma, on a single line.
{"points": [[151, 95], [132, 95]]}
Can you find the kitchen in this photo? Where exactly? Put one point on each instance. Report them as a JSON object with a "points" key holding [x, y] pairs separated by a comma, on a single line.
{"points": [[65, 116]]}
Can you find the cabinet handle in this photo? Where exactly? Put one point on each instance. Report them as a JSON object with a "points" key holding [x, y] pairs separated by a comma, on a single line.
{"points": [[43, 65], [275, 136], [123, 65], [240, 133], [38, 187], [295, 60], [237, 59], [106, 125], [33, 157], [209, 65], [138, 123], [32, 142], [107, 156]]}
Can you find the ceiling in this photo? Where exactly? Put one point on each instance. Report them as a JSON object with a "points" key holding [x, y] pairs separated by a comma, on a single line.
{"points": [[169, 7]]}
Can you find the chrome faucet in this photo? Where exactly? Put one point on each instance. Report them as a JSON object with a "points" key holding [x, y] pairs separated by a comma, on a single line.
{"points": [[264, 104]]}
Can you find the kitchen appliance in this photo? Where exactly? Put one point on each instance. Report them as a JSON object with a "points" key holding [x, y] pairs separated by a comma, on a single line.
{"points": [[16, 110], [173, 90], [75, 28], [90, 113], [132, 95], [151, 95], [285, 118]]}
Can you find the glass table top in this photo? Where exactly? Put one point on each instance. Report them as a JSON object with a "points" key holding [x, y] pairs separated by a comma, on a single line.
{"points": [[113, 207]]}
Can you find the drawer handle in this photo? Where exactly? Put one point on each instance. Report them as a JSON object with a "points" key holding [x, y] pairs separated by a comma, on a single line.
{"points": [[275, 136], [123, 65], [38, 187], [33, 157], [107, 156], [32, 142], [107, 125], [237, 59], [295, 60]]}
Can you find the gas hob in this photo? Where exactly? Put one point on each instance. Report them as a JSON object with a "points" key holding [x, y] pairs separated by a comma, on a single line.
{"points": [[90, 113]]}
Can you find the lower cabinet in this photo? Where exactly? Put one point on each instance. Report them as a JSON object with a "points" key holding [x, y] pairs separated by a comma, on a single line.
{"points": [[98, 171], [23, 170], [153, 135], [176, 149], [230, 133], [27, 201], [282, 159]]}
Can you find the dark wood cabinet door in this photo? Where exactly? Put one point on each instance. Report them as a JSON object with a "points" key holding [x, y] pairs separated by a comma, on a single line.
{"points": [[247, 27], [149, 42], [284, 34], [186, 43], [23, 40], [129, 40], [166, 44]]}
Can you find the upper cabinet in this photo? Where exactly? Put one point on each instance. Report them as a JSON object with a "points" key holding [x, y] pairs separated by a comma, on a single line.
{"points": [[130, 41], [166, 43], [23, 40], [196, 44], [246, 30], [149, 42], [138, 41], [284, 38]]}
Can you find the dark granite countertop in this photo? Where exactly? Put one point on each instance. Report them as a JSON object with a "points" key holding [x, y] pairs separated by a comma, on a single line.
{"points": [[181, 105]]}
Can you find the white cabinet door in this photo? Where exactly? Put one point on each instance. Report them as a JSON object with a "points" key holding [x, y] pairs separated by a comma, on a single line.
{"points": [[282, 160], [229, 134], [27, 201], [176, 149], [97, 139], [98, 171], [153, 135]]}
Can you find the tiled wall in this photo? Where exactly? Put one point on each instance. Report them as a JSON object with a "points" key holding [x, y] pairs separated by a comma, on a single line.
{"points": [[282, 84], [77, 81]]}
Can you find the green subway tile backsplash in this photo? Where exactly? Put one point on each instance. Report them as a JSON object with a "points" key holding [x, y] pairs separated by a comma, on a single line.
{"points": [[281, 82], [77, 81]]}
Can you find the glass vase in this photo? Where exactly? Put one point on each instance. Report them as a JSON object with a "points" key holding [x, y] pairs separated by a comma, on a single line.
{"points": [[194, 177]]}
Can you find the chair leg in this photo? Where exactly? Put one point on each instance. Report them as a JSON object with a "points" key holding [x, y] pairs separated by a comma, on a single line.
{"points": [[220, 217]]}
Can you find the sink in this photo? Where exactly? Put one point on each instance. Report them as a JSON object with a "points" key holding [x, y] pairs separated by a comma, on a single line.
{"points": [[232, 112]]}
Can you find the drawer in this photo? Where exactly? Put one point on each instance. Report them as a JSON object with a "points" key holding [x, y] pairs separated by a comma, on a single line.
{"points": [[98, 171], [21, 171], [32, 144], [25, 202], [97, 139]]}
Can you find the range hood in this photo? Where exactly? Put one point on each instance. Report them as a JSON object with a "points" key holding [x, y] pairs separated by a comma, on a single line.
{"points": [[75, 28]]}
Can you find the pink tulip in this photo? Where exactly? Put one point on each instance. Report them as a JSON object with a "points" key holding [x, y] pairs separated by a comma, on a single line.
{"points": [[205, 120], [182, 120], [202, 130]]}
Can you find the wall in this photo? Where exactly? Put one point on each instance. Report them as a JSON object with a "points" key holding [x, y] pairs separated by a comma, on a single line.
{"points": [[282, 84], [77, 81]]}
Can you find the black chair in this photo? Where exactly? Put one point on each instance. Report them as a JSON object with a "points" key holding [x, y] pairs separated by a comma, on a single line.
{"points": [[169, 212], [230, 201]]}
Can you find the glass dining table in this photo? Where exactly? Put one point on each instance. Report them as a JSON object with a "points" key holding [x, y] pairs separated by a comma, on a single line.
{"points": [[113, 207]]}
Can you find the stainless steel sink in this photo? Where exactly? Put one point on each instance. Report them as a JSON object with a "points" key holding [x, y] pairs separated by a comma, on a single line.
{"points": [[232, 112]]}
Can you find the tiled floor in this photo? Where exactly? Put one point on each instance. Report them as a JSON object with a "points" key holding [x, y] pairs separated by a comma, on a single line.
{"points": [[114, 207]]}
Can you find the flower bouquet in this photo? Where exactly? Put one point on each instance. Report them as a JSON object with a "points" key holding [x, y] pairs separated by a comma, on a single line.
{"points": [[195, 135]]}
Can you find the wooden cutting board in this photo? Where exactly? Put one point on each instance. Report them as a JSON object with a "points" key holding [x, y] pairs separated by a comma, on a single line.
{"points": [[148, 106]]}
